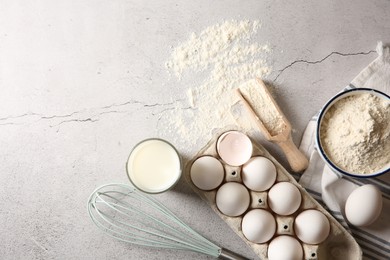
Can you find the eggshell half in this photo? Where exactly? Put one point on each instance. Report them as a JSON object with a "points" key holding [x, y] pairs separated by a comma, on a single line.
{"points": [[235, 148]]}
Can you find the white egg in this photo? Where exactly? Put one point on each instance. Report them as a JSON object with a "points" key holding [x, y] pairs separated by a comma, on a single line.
{"points": [[258, 226], [234, 148], [259, 173], [284, 198], [207, 173], [232, 199], [364, 205], [311, 226], [285, 248]]}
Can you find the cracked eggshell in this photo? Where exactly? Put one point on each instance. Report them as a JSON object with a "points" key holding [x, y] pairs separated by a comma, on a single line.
{"points": [[259, 173], [207, 173], [232, 199], [234, 148]]}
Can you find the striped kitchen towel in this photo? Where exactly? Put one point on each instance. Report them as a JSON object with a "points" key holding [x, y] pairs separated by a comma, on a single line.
{"points": [[332, 191]]}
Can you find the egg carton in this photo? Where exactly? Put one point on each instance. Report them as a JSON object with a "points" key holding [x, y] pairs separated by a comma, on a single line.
{"points": [[338, 245]]}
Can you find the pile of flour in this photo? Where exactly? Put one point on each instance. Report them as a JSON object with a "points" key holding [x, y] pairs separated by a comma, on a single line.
{"points": [[355, 133], [223, 56]]}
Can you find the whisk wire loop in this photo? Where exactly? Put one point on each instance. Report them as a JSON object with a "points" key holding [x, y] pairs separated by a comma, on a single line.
{"points": [[124, 213], [126, 207], [118, 231]]}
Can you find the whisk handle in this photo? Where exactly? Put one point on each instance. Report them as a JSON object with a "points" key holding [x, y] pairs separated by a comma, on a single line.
{"points": [[229, 255]]}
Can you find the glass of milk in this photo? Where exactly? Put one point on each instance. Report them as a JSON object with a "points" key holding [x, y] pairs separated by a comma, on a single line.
{"points": [[154, 166]]}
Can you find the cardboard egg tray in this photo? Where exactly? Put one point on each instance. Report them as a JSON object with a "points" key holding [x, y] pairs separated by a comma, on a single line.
{"points": [[338, 245]]}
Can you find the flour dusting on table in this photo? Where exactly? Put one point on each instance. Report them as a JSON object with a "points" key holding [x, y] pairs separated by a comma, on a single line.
{"points": [[223, 56]]}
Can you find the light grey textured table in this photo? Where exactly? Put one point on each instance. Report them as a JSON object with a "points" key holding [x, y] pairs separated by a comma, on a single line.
{"points": [[66, 65]]}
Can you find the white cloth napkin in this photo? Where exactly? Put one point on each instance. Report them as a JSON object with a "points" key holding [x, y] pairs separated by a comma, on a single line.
{"points": [[332, 191]]}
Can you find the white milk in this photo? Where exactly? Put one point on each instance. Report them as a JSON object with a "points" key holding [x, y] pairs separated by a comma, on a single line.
{"points": [[154, 166]]}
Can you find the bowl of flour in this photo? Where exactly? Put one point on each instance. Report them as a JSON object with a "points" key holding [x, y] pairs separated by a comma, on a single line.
{"points": [[353, 133]]}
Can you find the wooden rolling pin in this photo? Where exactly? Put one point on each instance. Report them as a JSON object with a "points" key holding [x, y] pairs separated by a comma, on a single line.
{"points": [[271, 121]]}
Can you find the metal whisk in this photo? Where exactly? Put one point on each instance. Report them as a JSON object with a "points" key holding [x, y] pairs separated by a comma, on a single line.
{"points": [[124, 213]]}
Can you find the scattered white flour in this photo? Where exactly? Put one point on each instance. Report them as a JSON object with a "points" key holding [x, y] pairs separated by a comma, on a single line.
{"points": [[355, 133], [223, 56], [262, 105]]}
